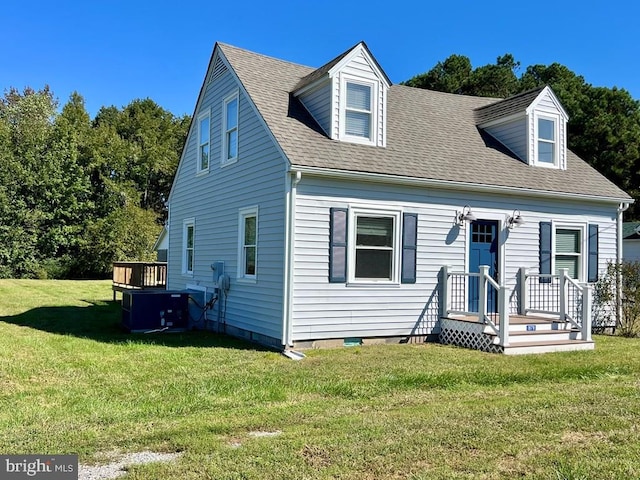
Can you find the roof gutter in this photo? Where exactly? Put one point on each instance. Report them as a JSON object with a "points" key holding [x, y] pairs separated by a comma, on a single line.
{"points": [[450, 184]]}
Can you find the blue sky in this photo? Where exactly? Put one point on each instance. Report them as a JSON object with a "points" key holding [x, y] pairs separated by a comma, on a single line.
{"points": [[113, 52]]}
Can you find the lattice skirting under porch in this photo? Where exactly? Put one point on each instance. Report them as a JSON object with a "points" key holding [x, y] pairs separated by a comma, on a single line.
{"points": [[467, 335]]}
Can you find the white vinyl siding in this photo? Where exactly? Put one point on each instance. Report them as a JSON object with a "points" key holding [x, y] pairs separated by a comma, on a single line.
{"points": [[318, 103], [204, 143], [215, 201], [512, 135], [230, 129], [324, 310], [631, 250]]}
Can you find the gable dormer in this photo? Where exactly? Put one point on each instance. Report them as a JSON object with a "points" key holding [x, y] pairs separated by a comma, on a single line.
{"points": [[348, 97], [533, 125]]}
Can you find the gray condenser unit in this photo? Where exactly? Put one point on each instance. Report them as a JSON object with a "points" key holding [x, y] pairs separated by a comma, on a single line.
{"points": [[153, 310]]}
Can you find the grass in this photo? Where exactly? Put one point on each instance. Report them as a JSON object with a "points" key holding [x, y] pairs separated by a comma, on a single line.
{"points": [[72, 382]]}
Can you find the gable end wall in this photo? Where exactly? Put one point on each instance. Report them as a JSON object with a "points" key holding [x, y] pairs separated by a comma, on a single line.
{"points": [[213, 200]]}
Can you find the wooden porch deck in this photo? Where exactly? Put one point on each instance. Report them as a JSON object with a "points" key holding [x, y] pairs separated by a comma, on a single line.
{"points": [[138, 276]]}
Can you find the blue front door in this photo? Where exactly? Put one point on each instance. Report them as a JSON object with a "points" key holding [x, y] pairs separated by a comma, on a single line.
{"points": [[483, 250]]}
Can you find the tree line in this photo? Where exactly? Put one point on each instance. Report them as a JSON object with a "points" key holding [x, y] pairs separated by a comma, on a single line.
{"points": [[77, 193], [604, 123]]}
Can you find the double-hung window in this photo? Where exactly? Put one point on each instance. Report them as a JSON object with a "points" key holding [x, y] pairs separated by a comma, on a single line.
{"points": [[358, 111], [204, 143], [547, 141], [568, 251], [248, 243], [230, 129], [368, 246], [375, 246], [188, 242]]}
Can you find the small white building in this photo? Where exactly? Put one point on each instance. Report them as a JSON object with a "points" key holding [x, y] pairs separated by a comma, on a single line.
{"points": [[631, 242], [334, 207]]}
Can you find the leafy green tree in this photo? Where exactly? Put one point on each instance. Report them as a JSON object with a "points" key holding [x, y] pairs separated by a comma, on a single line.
{"points": [[499, 80], [26, 122], [450, 76]]}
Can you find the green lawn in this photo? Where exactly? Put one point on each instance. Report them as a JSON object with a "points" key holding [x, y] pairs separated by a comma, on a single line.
{"points": [[72, 382]]}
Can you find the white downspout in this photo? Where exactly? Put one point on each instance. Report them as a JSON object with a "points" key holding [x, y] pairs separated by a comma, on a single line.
{"points": [[621, 208], [290, 219]]}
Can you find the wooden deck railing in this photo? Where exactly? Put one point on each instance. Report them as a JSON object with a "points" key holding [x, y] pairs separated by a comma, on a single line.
{"points": [[138, 275]]}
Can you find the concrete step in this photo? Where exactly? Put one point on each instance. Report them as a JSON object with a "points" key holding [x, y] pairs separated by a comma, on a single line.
{"points": [[548, 347]]}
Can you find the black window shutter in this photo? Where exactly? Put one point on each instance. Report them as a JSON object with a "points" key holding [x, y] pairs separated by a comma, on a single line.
{"points": [[338, 245], [409, 247], [593, 254], [545, 251]]}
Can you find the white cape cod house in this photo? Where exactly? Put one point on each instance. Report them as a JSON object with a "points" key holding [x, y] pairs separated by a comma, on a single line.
{"points": [[333, 208]]}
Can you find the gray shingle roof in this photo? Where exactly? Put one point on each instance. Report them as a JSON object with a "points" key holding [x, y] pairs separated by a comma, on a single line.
{"points": [[430, 135], [508, 106]]}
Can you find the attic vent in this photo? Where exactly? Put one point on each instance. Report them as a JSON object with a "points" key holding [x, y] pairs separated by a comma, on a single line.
{"points": [[218, 70]]}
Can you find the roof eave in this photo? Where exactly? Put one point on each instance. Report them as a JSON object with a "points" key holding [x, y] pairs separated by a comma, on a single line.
{"points": [[452, 185]]}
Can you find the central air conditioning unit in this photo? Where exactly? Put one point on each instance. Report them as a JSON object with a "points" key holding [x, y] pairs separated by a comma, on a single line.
{"points": [[155, 310]]}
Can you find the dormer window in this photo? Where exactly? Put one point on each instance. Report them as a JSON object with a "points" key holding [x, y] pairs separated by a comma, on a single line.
{"points": [[347, 97], [532, 124], [547, 140], [358, 111]]}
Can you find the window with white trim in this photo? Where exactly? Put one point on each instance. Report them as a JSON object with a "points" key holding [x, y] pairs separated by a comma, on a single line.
{"points": [[546, 143], [358, 111], [230, 129], [248, 243], [204, 144], [568, 251], [188, 243], [375, 251]]}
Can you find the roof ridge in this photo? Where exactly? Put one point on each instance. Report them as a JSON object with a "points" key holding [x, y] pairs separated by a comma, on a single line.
{"points": [[456, 95], [320, 71], [271, 57], [516, 96]]}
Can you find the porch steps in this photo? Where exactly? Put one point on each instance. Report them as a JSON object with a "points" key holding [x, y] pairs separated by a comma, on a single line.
{"points": [[527, 334]]}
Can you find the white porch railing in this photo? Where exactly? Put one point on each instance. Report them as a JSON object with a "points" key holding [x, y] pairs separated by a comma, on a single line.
{"points": [[455, 299], [556, 295]]}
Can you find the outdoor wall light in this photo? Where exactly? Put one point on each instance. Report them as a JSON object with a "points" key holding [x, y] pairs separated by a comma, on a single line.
{"points": [[515, 220], [464, 216]]}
